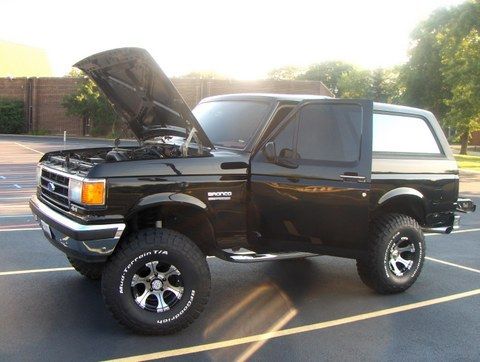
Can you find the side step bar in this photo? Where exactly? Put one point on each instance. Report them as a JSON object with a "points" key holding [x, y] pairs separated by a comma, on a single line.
{"points": [[248, 256]]}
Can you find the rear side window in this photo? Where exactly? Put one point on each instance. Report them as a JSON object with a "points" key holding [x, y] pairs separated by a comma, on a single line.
{"points": [[403, 134], [330, 132]]}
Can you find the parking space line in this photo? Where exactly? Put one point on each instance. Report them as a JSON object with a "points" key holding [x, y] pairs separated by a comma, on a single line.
{"points": [[28, 148], [454, 232], [14, 198], [19, 229], [465, 231], [15, 216], [452, 264], [297, 330], [31, 271]]}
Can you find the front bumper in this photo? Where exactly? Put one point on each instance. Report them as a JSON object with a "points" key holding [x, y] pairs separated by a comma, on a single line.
{"points": [[91, 243]]}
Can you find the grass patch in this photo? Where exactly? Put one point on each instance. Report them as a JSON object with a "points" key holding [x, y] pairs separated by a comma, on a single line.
{"points": [[468, 162]]}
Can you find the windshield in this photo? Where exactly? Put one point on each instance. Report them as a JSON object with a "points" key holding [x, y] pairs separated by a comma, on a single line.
{"points": [[231, 123]]}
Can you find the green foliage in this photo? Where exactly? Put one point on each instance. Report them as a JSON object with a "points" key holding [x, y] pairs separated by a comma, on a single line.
{"points": [[88, 103], [422, 75], [460, 56], [357, 83], [207, 74], [288, 72], [12, 119], [468, 162], [345, 80], [75, 73], [329, 73]]}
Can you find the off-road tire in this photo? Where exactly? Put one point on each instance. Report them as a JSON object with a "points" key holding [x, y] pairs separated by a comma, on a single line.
{"points": [[374, 269], [92, 271], [143, 248]]}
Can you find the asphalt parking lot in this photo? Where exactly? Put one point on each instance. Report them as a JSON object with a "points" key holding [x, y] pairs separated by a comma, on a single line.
{"points": [[308, 309]]}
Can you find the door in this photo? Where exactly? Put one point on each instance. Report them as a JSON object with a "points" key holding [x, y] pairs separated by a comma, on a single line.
{"points": [[310, 181]]}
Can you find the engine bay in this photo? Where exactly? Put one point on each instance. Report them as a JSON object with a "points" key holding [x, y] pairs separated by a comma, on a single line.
{"points": [[146, 152], [84, 159]]}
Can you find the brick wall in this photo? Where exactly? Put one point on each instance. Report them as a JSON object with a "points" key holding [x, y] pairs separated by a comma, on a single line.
{"points": [[50, 115], [13, 88], [43, 96]]}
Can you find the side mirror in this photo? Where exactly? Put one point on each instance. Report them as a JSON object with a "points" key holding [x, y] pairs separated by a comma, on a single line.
{"points": [[270, 152]]}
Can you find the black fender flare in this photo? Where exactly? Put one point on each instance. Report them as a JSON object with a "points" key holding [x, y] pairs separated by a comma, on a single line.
{"points": [[180, 199]]}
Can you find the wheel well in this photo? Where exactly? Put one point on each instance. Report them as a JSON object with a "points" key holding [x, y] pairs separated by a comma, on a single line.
{"points": [[186, 219], [407, 205]]}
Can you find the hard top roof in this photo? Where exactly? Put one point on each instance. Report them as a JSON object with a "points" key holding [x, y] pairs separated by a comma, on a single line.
{"points": [[301, 97]]}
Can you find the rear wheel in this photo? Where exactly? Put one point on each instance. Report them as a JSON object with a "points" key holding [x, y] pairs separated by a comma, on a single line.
{"points": [[90, 270], [156, 283], [395, 254]]}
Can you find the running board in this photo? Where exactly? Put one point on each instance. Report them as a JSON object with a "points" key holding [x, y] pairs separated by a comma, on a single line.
{"points": [[251, 257]]}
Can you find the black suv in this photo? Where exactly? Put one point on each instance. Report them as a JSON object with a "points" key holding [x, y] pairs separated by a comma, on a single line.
{"points": [[245, 178]]}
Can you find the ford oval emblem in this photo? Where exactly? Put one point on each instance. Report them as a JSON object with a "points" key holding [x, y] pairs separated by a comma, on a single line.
{"points": [[51, 186]]}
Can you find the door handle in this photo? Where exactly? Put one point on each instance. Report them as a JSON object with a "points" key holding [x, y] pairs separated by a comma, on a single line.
{"points": [[353, 178]]}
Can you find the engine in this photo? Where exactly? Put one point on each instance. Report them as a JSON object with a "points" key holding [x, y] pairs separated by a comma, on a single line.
{"points": [[81, 161], [147, 152]]}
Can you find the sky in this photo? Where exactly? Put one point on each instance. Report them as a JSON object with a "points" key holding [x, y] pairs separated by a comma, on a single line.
{"points": [[239, 39]]}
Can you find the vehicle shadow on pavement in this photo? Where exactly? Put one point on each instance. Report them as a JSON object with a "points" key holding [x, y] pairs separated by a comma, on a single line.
{"points": [[267, 300]]}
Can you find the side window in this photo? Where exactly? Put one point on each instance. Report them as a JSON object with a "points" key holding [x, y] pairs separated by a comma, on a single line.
{"points": [[284, 140], [403, 134], [330, 132]]}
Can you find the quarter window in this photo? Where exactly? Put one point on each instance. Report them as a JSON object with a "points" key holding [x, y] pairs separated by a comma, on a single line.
{"points": [[402, 134]]}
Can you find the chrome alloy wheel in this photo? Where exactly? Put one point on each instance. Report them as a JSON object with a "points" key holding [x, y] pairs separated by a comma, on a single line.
{"points": [[157, 286], [401, 256]]}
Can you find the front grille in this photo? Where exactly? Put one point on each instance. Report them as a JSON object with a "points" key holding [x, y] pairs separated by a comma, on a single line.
{"points": [[54, 188]]}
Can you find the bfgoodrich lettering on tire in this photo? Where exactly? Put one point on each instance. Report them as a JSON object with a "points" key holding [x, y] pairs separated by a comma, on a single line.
{"points": [[157, 282], [395, 254]]}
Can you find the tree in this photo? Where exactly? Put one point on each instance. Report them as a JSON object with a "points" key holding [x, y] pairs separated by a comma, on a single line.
{"points": [[422, 76], [357, 83], [386, 84], [289, 72], [460, 58], [380, 85], [204, 74], [329, 73], [93, 107]]}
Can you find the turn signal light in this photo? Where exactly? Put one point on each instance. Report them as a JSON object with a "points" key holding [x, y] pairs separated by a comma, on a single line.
{"points": [[93, 192]]}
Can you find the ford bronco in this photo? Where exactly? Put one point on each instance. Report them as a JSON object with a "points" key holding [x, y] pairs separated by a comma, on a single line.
{"points": [[244, 178]]}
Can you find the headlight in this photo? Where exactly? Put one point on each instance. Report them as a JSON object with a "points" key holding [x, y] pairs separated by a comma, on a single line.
{"points": [[87, 192]]}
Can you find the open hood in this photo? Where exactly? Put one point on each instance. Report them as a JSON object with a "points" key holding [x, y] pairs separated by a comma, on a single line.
{"points": [[142, 94]]}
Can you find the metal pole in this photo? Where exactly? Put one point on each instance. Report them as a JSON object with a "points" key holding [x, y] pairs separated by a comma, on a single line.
{"points": [[64, 139]]}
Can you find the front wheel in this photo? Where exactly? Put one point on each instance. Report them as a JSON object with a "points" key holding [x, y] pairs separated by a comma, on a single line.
{"points": [[92, 271], [156, 283], [395, 254]]}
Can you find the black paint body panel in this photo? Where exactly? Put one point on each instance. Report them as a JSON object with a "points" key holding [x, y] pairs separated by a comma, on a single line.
{"points": [[274, 208]]}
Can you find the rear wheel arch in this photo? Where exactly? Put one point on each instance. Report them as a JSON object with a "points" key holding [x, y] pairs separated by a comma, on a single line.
{"points": [[403, 200]]}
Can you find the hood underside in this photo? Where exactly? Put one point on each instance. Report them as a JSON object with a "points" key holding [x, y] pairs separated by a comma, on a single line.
{"points": [[142, 94]]}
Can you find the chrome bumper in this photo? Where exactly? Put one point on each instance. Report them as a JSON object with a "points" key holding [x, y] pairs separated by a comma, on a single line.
{"points": [[92, 243]]}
